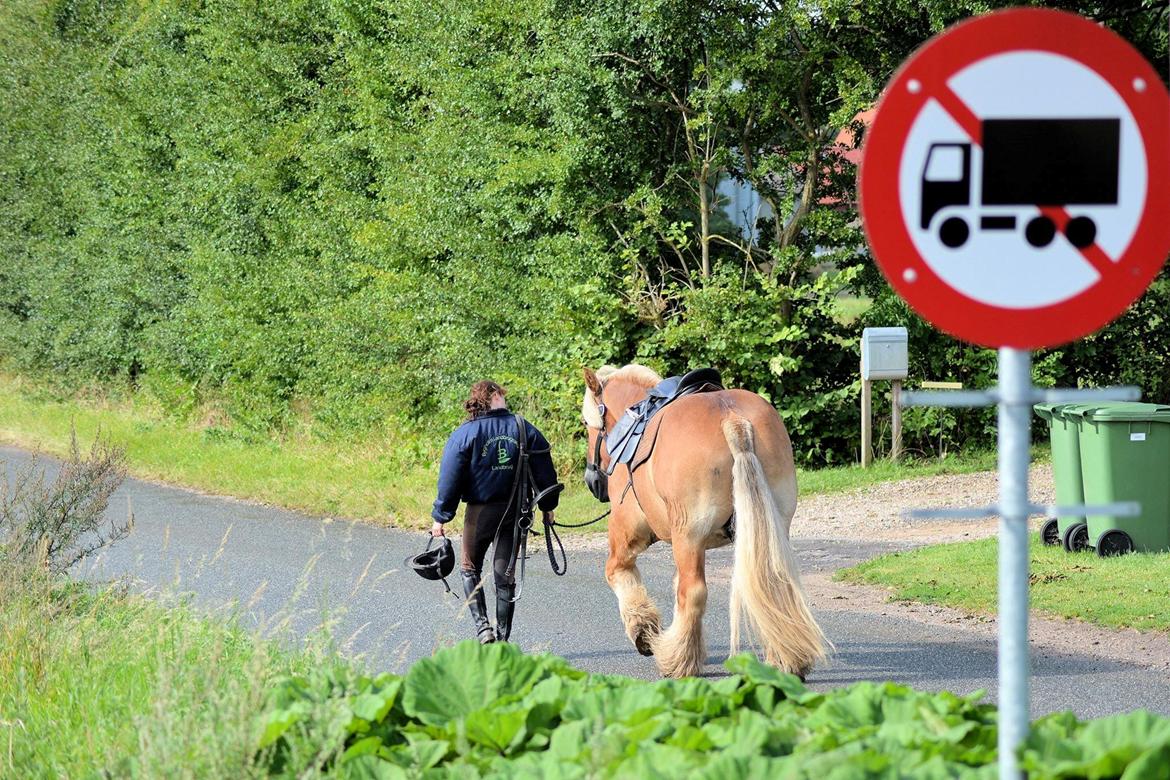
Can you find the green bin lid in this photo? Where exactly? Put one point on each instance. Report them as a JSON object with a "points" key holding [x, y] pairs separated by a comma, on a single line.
{"points": [[1123, 411], [1047, 411], [1062, 411]]}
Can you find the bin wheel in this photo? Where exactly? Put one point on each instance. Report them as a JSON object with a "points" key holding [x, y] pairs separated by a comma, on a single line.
{"points": [[1114, 542], [1076, 537], [1050, 532]]}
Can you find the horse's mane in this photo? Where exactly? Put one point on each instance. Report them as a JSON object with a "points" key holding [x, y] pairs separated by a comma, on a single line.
{"points": [[639, 375]]}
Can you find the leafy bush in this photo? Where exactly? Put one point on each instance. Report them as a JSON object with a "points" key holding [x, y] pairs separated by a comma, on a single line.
{"points": [[806, 366], [491, 711], [343, 213]]}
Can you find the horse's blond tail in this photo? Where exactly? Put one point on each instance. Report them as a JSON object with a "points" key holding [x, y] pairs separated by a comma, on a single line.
{"points": [[765, 584]]}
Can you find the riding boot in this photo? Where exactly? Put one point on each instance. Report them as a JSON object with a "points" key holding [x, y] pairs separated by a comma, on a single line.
{"points": [[505, 606], [477, 606]]}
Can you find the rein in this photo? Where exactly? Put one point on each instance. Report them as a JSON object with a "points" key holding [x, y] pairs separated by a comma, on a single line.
{"points": [[525, 496], [550, 535], [522, 498], [597, 519]]}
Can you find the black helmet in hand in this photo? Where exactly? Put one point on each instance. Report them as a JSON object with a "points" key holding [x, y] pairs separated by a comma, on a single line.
{"points": [[434, 564]]}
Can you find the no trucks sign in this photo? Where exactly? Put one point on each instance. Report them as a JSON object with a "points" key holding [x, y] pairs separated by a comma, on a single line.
{"points": [[1015, 189], [1015, 183]]}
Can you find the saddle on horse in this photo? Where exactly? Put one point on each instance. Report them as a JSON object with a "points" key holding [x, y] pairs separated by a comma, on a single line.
{"points": [[623, 441]]}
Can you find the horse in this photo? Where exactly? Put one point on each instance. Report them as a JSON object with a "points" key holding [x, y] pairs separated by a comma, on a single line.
{"points": [[720, 470]]}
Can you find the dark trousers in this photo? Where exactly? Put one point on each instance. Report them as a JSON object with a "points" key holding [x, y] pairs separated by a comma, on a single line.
{"points": [[480, 525]]}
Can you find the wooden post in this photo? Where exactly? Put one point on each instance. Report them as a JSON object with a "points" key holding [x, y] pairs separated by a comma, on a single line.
{"points": [[896, 420], [866, 423]]}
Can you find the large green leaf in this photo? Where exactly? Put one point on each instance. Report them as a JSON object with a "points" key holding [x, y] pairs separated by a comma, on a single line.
{"points": [[498, 730], [459, 680], [418, 754], [1151, 765], [1100, 749], [373, 704], [749, 667], [653, 760], [609, 704]]}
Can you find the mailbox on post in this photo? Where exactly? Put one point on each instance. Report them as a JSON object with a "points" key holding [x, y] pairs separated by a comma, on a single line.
{"points": [[884, 355]]}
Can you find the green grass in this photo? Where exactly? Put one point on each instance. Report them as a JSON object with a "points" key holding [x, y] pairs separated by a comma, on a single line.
{"points": [[848, 308], [96, 682], [363, 482], [370, 481], [381, 480], [1129, 591]]}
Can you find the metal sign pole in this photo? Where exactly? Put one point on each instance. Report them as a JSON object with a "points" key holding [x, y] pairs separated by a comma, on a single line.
{"points": [[1014, 396], [919, 234], [1015, 439]]}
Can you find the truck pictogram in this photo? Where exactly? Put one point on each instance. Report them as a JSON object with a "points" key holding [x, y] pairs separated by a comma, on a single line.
{"points": [[1026, 163]]}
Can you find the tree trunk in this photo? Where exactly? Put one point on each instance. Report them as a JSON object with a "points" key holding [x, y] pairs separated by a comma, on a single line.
{"points": [[705, 220]]}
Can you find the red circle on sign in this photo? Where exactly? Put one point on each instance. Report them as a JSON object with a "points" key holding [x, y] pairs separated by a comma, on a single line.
{"points": [[1120, 283]]}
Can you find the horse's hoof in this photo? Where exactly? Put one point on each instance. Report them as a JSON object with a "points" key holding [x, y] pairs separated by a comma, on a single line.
{"points": [[643, 642]]}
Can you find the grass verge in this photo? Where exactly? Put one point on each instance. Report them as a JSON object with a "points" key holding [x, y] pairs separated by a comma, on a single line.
{"points": [[1129, 591], [380, 480], [99, 683]]}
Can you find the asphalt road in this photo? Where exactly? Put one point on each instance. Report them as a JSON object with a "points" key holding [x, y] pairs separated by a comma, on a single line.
{"points": [[290, 574]]}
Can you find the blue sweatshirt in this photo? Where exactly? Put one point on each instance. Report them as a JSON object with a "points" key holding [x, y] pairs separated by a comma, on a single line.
{"points": [[479, 464]]}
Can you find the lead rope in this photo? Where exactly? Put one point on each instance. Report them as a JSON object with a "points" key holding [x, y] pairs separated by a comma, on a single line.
{"points": [[523, 499], [550, 535]]}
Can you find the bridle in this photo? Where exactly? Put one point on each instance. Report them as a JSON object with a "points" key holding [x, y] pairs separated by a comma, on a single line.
{"points": [[596, 478]]}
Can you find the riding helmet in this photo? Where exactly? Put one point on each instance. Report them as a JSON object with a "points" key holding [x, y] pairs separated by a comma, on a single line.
{"points": [[434, 564]]}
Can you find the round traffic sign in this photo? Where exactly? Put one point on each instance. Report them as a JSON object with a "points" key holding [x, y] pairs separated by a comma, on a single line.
{"points": [[1015, 182]]}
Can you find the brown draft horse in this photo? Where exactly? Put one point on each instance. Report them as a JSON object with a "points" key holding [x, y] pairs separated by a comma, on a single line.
{"points": [[718, 455]]}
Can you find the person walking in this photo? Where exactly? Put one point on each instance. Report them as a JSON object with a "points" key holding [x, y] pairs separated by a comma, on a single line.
{"points": [[479, 467]]}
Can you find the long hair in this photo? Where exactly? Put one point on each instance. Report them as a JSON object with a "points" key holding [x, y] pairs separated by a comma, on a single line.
{"points": [[480, 400]]}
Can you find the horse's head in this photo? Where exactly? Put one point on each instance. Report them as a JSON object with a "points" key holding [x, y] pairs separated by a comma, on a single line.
{"points": [[608, 393]]}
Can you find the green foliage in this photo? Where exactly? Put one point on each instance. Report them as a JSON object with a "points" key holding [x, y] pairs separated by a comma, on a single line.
{"points": [[346, 212], [475, 711], [810, 367], [1134, 745]]}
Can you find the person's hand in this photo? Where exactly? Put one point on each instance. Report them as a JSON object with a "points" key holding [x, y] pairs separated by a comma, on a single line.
{"points": [[437, 529], [548, 517]]}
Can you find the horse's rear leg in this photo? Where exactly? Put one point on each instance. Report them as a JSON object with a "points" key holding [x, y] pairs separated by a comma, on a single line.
{"points": [[679, 650], [639, 614]]}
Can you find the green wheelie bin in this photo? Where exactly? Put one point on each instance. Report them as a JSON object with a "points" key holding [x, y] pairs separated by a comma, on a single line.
{"points": [[1125, 456], [1064, 436]]}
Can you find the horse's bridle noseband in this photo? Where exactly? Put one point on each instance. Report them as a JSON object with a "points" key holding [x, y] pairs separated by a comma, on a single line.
{"points": [[596, 479]]}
